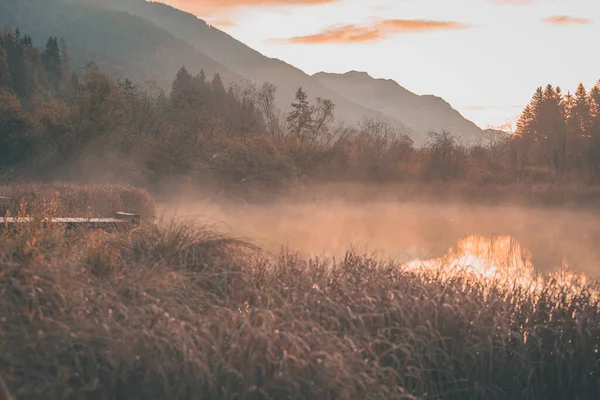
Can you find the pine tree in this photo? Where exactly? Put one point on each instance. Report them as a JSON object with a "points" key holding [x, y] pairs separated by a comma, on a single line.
{"points": [[549, 128], [182, 86], [14, 142], [526, 121], [53, 63], [5, 78], [23, 63], [581, 110], [202, 91], [299, 118], [64, 57], [188, 105], [535, 108], [578, 130], [232, 123], [219, 94], [521, 146], [202, 76], [26, 41], [557, 132], [594, 104]]}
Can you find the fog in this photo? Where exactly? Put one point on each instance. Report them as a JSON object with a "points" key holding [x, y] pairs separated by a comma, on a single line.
{"points": [[402, 230]]}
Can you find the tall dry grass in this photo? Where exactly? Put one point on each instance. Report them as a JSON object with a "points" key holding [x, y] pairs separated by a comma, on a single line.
{"points": [[176, 311], [76, 200]]}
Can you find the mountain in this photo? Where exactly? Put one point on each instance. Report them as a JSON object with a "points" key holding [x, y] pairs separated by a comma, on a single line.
{"points": [[144, 40], [242, 59], [116, 41], [499, 133], [420, 113]]}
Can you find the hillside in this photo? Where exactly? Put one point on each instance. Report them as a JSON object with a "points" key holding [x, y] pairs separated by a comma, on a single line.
{"points": [[244, 60], [117, 42], [148, 40], [496, 132], [420, 113]]}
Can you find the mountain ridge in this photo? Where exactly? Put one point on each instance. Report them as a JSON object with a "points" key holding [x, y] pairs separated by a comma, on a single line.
{"points": [[422, 113], [246, 61]]}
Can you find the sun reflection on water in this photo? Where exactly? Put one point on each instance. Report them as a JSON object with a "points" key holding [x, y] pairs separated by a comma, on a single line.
{"points": [[498, 260]]}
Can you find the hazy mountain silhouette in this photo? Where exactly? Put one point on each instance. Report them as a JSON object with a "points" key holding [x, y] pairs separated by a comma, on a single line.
{"points": [[420, 113], [244, 60], [116, 41], [497, 133], [148, 40]]}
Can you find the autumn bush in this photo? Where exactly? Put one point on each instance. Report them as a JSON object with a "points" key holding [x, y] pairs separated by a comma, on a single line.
{"points": [[252, 165], [174, 310]]}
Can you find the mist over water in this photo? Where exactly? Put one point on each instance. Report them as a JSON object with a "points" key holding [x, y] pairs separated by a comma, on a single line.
{"points": [[405, 231]]}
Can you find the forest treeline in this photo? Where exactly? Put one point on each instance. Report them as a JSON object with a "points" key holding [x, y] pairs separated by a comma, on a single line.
{"points": [[61, 124]]}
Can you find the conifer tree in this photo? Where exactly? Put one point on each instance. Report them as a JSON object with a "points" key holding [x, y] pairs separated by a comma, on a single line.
{"points": [[52, 62], [299, 118], [188, 104], [14, 125], [219, 93], [594, 106], [182, 87], [5, 78], [578, 130], [203, 90], [552, 128], [526, 121], [581, 110], [64, 58]]}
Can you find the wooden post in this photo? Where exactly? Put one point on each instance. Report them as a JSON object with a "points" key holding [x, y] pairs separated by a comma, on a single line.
{"points": [[133, 218]]}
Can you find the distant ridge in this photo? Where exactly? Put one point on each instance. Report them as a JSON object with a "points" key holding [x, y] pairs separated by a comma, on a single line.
{"points": [[420, 113]]}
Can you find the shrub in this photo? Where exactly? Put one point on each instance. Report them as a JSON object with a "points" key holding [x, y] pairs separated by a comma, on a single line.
{"points": [[251, 163]]}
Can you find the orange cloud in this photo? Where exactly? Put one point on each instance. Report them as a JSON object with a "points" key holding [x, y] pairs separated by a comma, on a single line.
{"points": [[224, 5], [566, 20], [379, 30]]}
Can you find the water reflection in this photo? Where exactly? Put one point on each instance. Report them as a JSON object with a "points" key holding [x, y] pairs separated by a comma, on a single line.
{"points": [[497, 259]]}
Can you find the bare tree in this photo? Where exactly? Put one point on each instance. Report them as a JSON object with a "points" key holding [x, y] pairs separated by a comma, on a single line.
{"points": [[248, 111], [266, 100], [445, 156], [382, 148]]}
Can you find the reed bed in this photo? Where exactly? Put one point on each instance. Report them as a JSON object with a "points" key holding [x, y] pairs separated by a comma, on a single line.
{"points": [[73, 200], [174, 310]]}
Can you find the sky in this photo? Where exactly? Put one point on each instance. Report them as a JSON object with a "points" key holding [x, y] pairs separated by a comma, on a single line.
{"points": [[484, 57]]}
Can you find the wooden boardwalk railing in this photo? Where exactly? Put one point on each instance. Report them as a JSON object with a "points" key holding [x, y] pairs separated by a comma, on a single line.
{"points": [[96, 223]]}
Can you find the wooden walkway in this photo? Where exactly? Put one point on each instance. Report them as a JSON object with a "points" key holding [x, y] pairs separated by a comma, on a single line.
{"points": [[119, 219]]}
